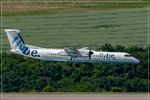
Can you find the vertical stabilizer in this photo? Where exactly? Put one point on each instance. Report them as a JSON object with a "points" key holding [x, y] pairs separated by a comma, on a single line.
{"points": [[14, 38]]}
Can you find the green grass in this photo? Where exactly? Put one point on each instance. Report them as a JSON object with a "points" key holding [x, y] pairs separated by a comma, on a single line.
{"points": [[43, 8], [93, 29]]}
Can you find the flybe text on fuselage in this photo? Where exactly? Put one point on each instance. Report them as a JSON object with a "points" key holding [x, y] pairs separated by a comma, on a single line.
{"points": [[23, 48], [107, 56]]}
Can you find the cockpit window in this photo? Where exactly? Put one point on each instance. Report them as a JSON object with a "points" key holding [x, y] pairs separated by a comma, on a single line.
{"points": [[127, 55]]}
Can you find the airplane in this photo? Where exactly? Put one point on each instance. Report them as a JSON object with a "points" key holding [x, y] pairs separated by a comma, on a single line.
{"points": [[18, 46]]}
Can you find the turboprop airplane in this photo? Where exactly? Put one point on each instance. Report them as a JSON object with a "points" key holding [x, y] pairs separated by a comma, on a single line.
{"points": [[18, 46]]}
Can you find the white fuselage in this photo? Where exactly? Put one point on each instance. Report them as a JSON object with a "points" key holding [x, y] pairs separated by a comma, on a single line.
{"points": [[97, 56]]}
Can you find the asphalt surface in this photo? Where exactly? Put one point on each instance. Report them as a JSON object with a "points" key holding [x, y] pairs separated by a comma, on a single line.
{"points": [[77, 96]]}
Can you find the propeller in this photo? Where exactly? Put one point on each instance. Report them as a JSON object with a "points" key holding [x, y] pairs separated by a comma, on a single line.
{"points": [[90, 53]]}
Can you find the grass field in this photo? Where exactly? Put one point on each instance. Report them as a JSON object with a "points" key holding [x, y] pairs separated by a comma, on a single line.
{"points": [[89, 25]]}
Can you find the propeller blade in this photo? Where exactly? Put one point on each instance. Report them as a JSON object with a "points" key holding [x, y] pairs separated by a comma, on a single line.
{"points": [[90, 53]]}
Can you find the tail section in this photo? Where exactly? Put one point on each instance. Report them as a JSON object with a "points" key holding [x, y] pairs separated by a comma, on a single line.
{"points": [[15, 40], [18, 45], [12, 36]]}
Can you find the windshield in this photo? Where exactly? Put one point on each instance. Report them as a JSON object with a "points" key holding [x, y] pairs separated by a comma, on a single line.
{"points": [[127, 55]]}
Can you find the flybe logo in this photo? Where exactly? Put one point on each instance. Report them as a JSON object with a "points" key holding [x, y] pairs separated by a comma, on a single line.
{"points": [[23, 48], [107, 56]]}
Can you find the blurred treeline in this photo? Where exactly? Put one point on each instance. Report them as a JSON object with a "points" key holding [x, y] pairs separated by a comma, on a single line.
{"points": [[21, 74]]}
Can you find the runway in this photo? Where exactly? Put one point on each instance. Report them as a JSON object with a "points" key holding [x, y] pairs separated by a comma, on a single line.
{"points": [[74, 96]]}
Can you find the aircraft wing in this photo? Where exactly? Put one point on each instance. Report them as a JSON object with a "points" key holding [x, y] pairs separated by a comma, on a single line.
{"points": [[72, 51], [85, 48]]}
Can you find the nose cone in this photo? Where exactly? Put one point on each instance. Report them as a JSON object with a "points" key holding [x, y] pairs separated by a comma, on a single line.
{"points": [[136, 61]]}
